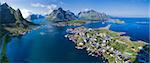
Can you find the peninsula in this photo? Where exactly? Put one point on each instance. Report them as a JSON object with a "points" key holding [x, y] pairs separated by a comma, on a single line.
{"points": [[105, 43]]}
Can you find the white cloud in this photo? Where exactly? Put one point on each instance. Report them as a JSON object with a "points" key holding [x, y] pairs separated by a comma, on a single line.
{"points": [[49, 8], [37, 5], [86, 9], [25, 12]]}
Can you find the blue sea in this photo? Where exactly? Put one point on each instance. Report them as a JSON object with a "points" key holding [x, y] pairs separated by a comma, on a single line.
{"points": [[48, 44]]}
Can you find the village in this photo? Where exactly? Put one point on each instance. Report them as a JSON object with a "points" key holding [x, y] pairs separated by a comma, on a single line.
{"points": [[105, 43]]}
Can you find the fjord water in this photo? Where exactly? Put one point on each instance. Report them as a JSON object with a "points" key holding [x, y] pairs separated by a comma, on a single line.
{"points": [[48, 43]]}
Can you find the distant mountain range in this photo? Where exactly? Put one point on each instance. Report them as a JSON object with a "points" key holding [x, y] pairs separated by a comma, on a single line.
{"points": [[34, 16], [62, 15]]}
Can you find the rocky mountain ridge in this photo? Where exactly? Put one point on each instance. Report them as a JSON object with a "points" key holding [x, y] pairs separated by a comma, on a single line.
{"points": [[92, 15], [61, 15], [12, 20]]}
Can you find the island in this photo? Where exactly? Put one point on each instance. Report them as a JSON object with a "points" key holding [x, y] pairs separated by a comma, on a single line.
{"points": [[102, 42]]}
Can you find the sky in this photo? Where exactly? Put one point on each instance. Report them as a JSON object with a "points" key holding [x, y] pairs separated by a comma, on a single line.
{"points": [[117, 8]]}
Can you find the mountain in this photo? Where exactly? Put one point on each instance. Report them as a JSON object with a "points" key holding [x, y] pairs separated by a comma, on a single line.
{"points": [[12, 20], [61, 15], [34, 16], [92, 15], [10, 16], [7, 14]]}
